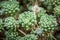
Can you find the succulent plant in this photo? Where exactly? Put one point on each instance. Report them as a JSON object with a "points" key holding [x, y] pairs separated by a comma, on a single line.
{"points": [[50, 4], [29, 37], [40, 13], [57, 11], [11, 23], [47, 23], [10, 35], [1, 11], [1, 25], [39, 31], [10, 7], [27, 19]]}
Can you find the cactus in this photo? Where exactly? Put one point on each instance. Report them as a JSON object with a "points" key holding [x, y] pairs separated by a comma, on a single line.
{"points": [[10, 7], [27, 19], [11, 23], [57, 11], [47, 23]]}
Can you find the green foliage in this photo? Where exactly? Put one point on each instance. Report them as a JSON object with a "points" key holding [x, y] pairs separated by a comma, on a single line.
{"points": [[28, 23], [10, 7], [1, 25], [27, 19], [41, 13], [39, 31], [10, 35], [26, 1], [57, 11], [30, 7], [11, 23], [50, 4], [47, 23], [29, 37], [1, 11]]}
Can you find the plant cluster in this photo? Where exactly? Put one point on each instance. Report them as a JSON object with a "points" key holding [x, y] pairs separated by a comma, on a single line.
{"points": [[27, 20], [10, 7], [11, 35], [11, 23], [50, 4], [47, 23], [33, 21]]}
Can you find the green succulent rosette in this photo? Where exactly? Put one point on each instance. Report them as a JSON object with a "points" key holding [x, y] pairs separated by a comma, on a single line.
{"points": [[47, 23], [10, 23], [10, 35], [27, 20], [10, 7]]}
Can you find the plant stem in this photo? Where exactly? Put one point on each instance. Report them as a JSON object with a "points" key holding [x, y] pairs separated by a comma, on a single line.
{"points": [[53, 37], [22, 32]]}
